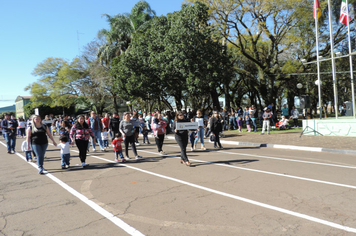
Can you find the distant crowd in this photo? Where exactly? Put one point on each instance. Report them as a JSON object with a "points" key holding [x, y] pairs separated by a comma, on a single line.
{"points": [[111, 130]]}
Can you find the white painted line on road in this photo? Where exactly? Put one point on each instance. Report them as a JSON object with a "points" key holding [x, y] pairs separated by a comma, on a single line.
{"points": [[282, 210], [285, 159], [117, 221], [299, 148], [281, 159], [267, 172]]}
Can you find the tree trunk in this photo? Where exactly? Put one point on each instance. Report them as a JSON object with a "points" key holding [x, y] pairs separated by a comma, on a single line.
{"points": [[215, 98]]}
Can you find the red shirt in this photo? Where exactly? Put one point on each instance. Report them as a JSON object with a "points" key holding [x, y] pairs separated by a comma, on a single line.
{"points": [[105, 122], [117, 144]]}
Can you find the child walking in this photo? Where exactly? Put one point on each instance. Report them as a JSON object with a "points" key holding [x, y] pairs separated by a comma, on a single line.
{"points": [[24, 148], [65, 151], [145, 134], [105, 137], [118, 148], [192, 137]]}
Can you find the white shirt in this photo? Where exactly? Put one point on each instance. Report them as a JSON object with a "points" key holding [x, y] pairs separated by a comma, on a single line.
{"points": [[104, 135], [65, 148]]}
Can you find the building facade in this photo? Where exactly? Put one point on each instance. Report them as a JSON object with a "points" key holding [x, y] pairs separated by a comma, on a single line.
{"points": [[20, 102]]}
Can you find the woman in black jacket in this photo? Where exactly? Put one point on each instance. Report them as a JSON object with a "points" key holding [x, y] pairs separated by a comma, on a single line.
{"points": [[181, 137], [215, 127]]}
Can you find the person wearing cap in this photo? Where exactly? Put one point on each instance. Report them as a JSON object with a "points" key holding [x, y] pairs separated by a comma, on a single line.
{"points": [[267, 116], [9, 127]]}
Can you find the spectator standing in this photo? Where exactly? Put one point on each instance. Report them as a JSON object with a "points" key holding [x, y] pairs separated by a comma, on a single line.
{"points": [[295, 115], [200, 131], [285, 111], [267, 116]]}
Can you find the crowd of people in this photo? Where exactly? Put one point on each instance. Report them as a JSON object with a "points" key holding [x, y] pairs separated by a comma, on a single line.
{"points": [[87, 131]]}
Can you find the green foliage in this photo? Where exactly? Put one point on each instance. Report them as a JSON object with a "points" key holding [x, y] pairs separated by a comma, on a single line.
{"points": [[58, 83], [173, 56]]}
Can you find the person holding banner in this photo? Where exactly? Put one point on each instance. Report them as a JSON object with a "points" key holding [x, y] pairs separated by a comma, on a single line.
{"points": [[181, 137]]}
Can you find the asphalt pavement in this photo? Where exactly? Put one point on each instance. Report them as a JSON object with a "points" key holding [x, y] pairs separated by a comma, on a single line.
{"points": [[244, 190]]}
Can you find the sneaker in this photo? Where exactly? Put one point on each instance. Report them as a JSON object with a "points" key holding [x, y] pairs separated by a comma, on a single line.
{"points": [[67, 166], [103, 150], [138, 157], [148, 143], [116, 160], [40, 171], [94, 150], [137, 144], [123, 160], [63, 166], [9, 152], [84, 165], [12, 152], [127, 158], [88, 151], [221, 147], [161, 152], [191, 149]]}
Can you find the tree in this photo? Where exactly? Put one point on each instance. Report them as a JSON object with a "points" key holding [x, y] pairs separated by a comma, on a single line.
{"points": [[58, 85], [122, 29]]}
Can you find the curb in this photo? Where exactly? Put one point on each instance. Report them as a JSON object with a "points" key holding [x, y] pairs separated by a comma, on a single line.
{"points": [[289, 147]]}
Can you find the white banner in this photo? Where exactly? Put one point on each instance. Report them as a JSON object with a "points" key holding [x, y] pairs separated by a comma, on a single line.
{"points": [[187, 125]]}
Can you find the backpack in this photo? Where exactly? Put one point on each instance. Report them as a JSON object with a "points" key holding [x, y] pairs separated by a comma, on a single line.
{"points": [[212, 138]]}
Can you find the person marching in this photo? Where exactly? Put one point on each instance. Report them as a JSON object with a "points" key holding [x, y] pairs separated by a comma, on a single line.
{"points": [[181, 137], [81, 133], [200, 131], [215, 126], [127, 130], [37, 136]]}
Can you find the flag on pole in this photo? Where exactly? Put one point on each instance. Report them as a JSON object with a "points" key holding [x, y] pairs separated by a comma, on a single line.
{"points": [[343, 13], [316, 10]]}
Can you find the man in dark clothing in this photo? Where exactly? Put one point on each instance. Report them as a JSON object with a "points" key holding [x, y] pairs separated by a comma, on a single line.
{"points": [[114, 124], [9, 127]]}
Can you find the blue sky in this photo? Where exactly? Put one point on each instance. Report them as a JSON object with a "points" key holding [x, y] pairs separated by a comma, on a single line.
{"points": [[32, 31]]}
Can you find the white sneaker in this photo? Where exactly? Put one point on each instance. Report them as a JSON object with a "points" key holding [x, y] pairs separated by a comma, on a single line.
{"points": [[191, 149], [127, 158], [138, 157], [94, 150], [84, 164], [137, 144]]}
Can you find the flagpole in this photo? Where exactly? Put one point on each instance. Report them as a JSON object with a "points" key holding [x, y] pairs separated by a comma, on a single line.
{"points": [[351, 66], [317, 56], [333, 63]]}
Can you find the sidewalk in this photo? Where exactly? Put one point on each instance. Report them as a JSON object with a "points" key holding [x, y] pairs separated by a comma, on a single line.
{"points": [[292, 140]]}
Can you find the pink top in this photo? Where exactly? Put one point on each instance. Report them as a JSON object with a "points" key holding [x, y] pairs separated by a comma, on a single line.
{"points": [[82, 134]]}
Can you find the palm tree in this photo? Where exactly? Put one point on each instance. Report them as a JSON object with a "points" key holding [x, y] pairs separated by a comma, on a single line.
{"points": [[122, 29]]}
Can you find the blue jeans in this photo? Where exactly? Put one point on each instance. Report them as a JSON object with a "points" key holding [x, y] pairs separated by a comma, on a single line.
{"points": [[119, 153], [254, 124], [200, 134], [10, 141], [65, 159], [28, 155], [97, 135], [40, 150], [145, 137], [232, 122]]}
